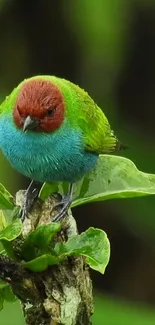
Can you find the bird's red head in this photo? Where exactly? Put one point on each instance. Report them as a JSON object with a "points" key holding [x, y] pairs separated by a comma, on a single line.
{"points": [[39, 106]]}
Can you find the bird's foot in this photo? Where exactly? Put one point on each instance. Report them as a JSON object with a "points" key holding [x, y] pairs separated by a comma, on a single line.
{"points": [[64, 204], [30, 195]]}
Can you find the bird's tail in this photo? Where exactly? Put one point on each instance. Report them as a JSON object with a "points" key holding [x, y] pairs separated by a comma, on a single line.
{"points": [[121, 146]]}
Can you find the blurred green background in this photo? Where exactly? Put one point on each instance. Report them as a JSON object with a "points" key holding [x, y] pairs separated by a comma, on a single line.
{"points": [[108, 48]]}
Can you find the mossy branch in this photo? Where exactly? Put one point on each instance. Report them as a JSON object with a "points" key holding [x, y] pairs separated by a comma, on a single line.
{"points": [[62, 294]]}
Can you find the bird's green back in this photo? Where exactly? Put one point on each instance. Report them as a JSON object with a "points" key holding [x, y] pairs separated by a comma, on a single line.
{"points": [[8, 104]]}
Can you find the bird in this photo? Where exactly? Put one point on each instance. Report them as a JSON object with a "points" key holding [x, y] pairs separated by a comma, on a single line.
{"points": [[51, 130]]}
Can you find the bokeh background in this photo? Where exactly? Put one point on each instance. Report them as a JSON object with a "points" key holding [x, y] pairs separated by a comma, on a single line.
{"points": [[108, 48]]}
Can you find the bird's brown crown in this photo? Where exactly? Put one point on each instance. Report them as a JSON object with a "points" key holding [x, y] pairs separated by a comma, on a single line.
{"points": [[43, 102]]}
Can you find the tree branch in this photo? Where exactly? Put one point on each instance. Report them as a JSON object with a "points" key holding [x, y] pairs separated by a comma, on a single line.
{"points": [[60, 295]]}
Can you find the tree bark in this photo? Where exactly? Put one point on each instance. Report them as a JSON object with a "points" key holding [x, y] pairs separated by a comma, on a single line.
{"points": [[63, 293]]}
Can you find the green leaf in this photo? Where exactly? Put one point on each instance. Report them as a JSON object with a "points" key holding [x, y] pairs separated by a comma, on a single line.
{"points": [[39, 239], [114, 177], [11, 215], [8, 249], [6, 294], [6, 199], [12, 231], [8, 234], [41, 263], [2, 220], [93, 244], [2, 226]]}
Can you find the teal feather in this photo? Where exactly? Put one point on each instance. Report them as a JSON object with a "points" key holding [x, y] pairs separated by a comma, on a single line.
{"points": [[46, 157]]}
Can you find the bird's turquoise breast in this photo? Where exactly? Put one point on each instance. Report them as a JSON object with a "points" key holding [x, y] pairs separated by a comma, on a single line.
{"points": [[46, 157]]}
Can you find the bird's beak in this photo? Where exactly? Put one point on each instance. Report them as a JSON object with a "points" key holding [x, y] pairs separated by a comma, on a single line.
{"points": [[30, 123]]}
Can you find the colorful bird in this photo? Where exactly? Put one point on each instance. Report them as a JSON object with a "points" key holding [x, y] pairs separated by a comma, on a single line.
{"points": [[51, 130]]}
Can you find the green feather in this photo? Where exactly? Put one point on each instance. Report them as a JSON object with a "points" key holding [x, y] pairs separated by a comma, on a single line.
{"points": [[83, 113]]}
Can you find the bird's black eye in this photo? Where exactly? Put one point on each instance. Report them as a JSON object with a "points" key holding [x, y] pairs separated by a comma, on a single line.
{"points": [[50, 112]]}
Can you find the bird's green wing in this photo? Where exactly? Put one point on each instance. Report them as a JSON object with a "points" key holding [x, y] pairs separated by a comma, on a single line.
{"points": [[83, 113], [97, 132]]}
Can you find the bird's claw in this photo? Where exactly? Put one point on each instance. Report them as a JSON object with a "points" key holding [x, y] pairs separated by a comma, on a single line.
{"points": [[65, 203], [64, 200], [30, 195], [23, 213]]}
